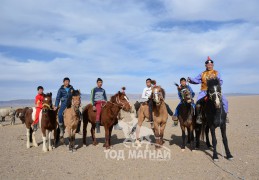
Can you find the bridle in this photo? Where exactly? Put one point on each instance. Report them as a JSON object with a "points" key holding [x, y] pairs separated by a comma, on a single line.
{"points": [[161, 97], [118, 102], [215, 93]]}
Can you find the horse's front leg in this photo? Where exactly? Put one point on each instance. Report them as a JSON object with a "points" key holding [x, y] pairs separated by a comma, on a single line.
{"points": [[188, 136], [225, 141], [70, 148], [110, 134], [44, 139], [162, 129], [207, 129], [49, 140], [107, 135], [93, 134], [84, 131], [157, 135], [74, 139], [197, 135], [214, 143], [28, 144], [183, 137], [191, 138], [34, 142]]}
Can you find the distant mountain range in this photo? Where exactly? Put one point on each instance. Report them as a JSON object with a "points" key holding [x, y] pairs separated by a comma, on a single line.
{"points": [[86, 98]]}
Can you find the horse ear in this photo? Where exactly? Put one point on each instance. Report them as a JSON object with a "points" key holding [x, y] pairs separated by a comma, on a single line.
{"points": [[50, 93], [79, 91]]}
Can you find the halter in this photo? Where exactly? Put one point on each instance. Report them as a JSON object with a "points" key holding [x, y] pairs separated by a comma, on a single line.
{"points": [[119, 103], [215, 93], [46, 105]]}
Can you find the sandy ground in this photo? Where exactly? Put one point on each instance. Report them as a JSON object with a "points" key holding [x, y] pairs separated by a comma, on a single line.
{"points": [[91, 162]]}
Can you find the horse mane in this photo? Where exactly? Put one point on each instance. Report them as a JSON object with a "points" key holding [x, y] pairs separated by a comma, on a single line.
{"points": [[163, 92], [213, 82], [113, 98], [73, 93]]}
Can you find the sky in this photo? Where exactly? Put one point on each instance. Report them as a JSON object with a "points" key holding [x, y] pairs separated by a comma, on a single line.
{"points": [[124, 42]]}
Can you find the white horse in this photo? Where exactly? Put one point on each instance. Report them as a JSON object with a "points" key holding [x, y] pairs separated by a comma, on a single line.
{"points": [[4, 112]]}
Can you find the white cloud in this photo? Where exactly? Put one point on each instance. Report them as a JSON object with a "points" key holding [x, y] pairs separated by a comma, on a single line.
{"points": [[124, 44]]}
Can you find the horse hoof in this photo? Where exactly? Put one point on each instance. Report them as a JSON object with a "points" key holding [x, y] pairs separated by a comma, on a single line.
{"points": [[35, 145], [193, 150], [183, 150], [28, 146], [230, 158], [45, 150], [216, 160], [70, 150], [95, 143], [50, 148]]}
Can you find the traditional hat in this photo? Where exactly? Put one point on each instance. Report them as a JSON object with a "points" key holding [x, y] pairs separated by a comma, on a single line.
{"points": [[209, 61]]}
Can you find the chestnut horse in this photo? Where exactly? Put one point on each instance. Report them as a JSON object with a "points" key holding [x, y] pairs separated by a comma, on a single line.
{"points": [[72, 117], [48, 122], [109, 116], [160, 115]]}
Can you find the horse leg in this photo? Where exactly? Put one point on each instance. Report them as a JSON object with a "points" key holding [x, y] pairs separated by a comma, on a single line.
{"points": [[141, 118], [183, 137], [188, 136], [54, 138], [157, 135], [197, 135], [28, 144], [207, 129], [214, 143], [107, 135], [84, 131], [44, 139], [34, 143], [74, 139], [225, 141], [110, 134], [49, 140], [162, 129], [70, 140], [191, 138], [93, 135]]}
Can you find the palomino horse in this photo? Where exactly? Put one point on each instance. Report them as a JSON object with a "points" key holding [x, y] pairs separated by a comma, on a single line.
{"points": [[160, 115], [72, 117], [48, 122], [215, 116], [187, 118], [109, 117]]}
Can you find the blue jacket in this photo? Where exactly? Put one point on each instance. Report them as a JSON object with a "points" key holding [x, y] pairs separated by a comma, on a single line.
{"points": [[63, 95], [190, 89]]}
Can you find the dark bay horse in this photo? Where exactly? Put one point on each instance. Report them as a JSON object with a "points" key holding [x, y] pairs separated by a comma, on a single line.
{"points": [[109, 117], [215, 116], [187, 118], [48, 123]]}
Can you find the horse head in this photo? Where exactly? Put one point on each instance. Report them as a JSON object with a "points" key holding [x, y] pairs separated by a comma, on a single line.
{"points": [[158, 94], [47, 102], [214, 91], [76, 98], [186, 94], [121, 100]]}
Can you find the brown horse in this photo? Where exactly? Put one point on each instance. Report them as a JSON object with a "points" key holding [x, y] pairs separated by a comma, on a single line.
{"points": [[18, 114], [159, 113], [187, 118], [48, 122], [28, 117], [72, 117], [109, 117]]}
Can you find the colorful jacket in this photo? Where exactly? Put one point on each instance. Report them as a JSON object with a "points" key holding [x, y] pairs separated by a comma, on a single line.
{"points": [[202, 78], [98, 94], [63, 95]]}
